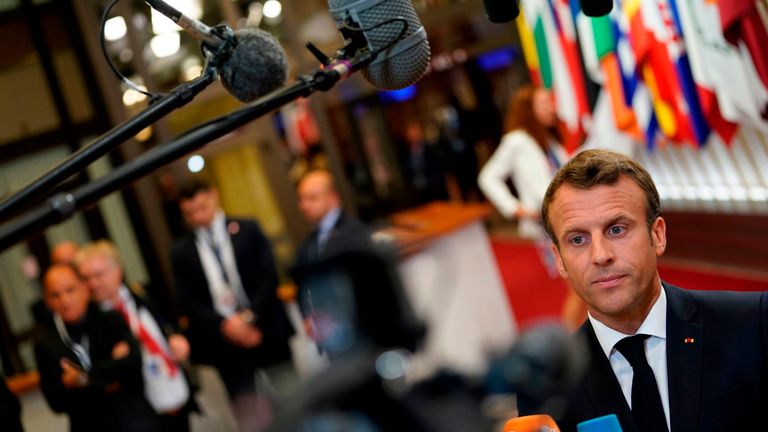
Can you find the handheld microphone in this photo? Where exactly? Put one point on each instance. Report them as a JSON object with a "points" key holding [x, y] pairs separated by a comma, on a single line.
{"points": [[501, 11], [251, 62], [596, 8], [606, 423], [531, 423], [392, 31]]}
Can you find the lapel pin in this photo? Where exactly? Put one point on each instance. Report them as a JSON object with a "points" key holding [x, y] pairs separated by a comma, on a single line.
{"points": [[233, 228], [688, 340]]}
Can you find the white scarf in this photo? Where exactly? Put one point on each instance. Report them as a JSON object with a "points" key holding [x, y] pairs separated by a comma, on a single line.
{"points": [[165, 392]]}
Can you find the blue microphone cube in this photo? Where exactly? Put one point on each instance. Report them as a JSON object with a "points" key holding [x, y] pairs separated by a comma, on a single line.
{"points": [[607, 423]]}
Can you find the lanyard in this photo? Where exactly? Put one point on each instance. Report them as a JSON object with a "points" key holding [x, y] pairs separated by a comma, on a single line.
{"points": [[79, 349], [217, 251]]}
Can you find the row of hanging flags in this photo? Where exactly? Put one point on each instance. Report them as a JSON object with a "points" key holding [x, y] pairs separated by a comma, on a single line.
{"points": [[672, 70]]}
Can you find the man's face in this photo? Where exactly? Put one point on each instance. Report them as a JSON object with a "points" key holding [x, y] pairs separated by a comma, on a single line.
{"points": [[102, 276], [65, 294], [316, 197], [606, 251], [64, 253], [199, 210]]}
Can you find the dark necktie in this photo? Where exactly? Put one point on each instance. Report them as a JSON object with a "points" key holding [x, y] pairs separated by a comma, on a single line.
{"points": [[217, 253], [647, 410]]}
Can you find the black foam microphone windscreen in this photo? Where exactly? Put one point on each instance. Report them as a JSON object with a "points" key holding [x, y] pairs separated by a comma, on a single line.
{"points": [[255, 67], [404, 60], [255, 63], [501, 11], [596, 8]]}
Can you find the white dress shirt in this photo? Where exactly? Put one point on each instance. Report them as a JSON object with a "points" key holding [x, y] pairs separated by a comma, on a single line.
{"points": [[325, 226], [655, 325]]}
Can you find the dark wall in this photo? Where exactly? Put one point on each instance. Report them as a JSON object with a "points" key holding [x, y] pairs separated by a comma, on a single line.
{"points": [[739, 241]]}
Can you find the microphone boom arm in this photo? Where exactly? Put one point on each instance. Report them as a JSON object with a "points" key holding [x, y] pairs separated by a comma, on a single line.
{"points": [[178, 97], [65, 204]]}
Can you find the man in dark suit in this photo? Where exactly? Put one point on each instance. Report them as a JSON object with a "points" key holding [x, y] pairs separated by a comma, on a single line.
{"points": [[164, 350], [226, 283], [662, 358], [89, 363], [334, 231]]}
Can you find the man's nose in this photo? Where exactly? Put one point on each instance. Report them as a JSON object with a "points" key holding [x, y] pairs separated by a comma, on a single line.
{"points": [[602, 251]]}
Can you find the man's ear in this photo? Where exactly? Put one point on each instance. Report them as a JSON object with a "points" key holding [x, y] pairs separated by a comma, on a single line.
{"points": [[659, 235]]}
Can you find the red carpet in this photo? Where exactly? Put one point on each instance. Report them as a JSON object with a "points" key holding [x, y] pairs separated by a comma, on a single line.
{"points": [[533, 295]]}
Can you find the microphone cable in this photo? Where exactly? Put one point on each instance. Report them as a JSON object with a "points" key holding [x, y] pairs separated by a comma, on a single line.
{"points": [[102, 42]]}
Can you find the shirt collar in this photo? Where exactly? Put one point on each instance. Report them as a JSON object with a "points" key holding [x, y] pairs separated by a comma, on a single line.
{"points": [[123, 295], [329, 220], [218, 224], [655, 324]]}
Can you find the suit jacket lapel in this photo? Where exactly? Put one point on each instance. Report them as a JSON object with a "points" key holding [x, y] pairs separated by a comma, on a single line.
{"points": [[199, 289], [685, 343], [601, 385]]}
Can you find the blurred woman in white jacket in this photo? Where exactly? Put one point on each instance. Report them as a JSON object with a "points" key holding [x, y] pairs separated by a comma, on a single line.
{"points": [[529, 154]]}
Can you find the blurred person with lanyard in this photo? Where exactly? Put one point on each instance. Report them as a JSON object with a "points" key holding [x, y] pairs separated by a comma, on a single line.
{"points": [[661, 357], [89, 362], [226, 282], [163, 350], [529, 154]]}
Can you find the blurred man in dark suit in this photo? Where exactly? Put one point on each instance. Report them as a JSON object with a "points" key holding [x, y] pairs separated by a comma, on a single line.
{"points": [[226, 284], [320, 203]]}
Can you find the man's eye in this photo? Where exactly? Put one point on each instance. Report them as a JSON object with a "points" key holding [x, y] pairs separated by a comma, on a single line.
{"points": [[616, 230], [577, 240]]}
